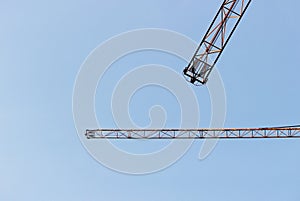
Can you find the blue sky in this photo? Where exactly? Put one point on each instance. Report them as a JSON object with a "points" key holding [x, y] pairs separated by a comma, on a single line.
{"points": [[43, 44]]}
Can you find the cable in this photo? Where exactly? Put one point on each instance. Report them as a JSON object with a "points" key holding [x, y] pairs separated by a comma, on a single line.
{"points": [[292, 126]]}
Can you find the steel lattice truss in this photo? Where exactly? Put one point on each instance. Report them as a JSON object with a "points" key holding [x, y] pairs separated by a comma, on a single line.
{"points": [[243, 133], [215, 40]]}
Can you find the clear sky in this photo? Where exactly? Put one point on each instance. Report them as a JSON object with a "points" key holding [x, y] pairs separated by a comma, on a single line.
{"points": [[44, 43]]}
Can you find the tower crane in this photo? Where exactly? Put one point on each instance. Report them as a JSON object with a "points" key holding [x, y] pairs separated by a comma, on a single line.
{"points": [[197, 72]]}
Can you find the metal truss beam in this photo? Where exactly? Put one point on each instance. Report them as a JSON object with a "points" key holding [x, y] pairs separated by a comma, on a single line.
{"points": [[215, 40], [226, 133]]}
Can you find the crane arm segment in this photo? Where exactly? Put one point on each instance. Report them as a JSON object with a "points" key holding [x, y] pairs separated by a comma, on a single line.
{"points": [[223, 133], [215, 40]]}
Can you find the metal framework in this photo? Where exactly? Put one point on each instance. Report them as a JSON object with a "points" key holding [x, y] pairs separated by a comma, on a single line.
{"points": [[215, 40], [225, 133], [197, 71]]}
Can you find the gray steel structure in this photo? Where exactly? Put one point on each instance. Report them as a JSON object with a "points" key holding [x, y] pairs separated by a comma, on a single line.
{"points": [[224, 133]]}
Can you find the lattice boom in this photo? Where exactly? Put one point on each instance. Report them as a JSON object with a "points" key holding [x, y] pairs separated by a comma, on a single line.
{"points": [[193, 133]]}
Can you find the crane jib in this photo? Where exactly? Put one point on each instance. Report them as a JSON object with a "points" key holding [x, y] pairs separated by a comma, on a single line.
{"points": [[215, 40]]}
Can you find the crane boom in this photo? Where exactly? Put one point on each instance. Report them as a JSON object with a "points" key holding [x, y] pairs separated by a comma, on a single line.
{"points": [[215, 40], [223, 133]]}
